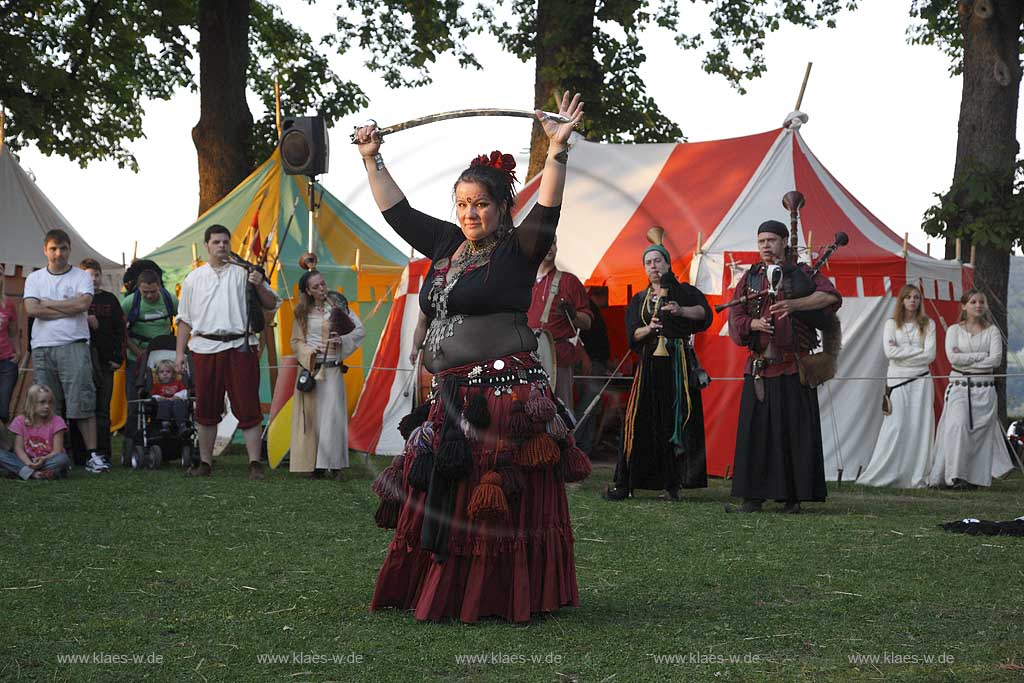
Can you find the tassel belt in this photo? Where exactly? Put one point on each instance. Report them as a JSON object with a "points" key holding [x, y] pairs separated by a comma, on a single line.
{"points": [[503, 373]]}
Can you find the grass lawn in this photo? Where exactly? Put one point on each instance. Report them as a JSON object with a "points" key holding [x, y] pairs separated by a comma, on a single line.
{"points": [[206, 579]]}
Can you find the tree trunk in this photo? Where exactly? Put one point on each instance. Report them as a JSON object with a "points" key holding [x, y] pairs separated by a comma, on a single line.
{"points": [[564, 61], [986, 138], [222, 136]]}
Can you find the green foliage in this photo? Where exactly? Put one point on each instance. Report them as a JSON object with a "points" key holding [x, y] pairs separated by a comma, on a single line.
{"points": [[741, 26], [936, 23], [72, 74], [282, 50], [981, 210], [406, 37]]}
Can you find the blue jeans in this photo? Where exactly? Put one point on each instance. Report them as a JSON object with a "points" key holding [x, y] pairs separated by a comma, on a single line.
{"points": [[8, 378], [10, 462]]}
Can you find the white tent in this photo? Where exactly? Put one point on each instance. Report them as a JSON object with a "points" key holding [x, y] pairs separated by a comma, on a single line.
{"points": [[26, 214]]}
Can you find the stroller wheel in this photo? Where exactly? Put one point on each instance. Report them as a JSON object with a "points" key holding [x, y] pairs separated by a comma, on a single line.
{"points": [[186, 455], [137, 457], [156, 457]]}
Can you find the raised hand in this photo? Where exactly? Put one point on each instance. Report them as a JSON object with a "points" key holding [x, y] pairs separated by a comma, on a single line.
{"points": [[571, 109], [367, 139]]}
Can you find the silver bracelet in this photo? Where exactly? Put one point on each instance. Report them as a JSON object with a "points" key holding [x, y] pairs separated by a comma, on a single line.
{"points": [[378, 161]]}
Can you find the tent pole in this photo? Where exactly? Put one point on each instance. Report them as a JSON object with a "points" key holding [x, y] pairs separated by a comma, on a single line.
{"points": [[277, 107], [800, 97], [310, 246]]}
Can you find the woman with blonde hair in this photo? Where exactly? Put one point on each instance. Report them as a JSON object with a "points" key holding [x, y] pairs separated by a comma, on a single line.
{"points": [[900, 458], [39, 439], [325, 333], [969, 448]]}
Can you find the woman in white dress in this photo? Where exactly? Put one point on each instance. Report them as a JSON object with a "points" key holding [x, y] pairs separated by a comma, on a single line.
{"points": [[904, 445], [325, 333], [969, 447]]}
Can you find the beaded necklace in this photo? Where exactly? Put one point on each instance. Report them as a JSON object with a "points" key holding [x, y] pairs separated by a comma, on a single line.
{"points": [[470, 256]]}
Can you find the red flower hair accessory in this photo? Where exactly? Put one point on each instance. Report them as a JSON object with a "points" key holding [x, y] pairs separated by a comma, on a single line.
{"points": [[505, 163]]}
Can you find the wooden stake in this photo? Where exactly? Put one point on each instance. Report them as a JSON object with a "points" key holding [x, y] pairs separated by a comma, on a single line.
{"points": [[700, 240], [800, 97], [1, 126], [928, 248], [957, 254], [906, 238], [356, 266], [195, 256], [135, 251], [277, 106], [972, 255]]}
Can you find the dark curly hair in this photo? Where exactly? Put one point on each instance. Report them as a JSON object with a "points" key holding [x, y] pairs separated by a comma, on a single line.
{"points": [[498, 186]]}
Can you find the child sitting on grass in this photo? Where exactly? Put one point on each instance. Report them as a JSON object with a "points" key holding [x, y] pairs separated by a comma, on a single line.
{"points": [[39, 439], [171, 396]]}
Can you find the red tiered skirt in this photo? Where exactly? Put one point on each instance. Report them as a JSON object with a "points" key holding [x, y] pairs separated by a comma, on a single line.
{"points": [[512, 568]]}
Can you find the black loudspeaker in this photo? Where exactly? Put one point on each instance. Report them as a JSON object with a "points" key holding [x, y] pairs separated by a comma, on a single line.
{"points": [[303, 145]]}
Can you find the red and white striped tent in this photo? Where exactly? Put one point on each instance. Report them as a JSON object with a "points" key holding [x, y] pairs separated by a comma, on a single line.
{"points": [[391, 383], [710, 197]]}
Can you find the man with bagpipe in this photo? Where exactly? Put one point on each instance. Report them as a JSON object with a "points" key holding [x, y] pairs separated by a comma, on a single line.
{"points": [[222, 309], [778, 306]]}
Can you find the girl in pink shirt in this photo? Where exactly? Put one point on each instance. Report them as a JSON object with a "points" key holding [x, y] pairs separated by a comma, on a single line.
{"points": [[39, 439]]}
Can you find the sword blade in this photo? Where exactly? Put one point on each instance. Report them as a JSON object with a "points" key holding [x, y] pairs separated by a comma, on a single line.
{"points": [[461, 114]]}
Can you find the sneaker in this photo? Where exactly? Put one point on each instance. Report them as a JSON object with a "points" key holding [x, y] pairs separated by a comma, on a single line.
{"points": [[200, 470], [256, 471], [96, 464]]}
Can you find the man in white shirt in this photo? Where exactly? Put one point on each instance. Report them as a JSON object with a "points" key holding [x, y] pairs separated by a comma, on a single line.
{"points": [[58, 297], [213, 324]]}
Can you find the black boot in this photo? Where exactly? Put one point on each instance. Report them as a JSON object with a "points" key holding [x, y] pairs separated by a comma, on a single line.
{"points": [[615, 492], [792, 507], [750, 505]]}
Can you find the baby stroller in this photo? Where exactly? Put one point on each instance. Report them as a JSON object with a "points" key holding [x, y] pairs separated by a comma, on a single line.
{"points": [[1015, 440], [147, 446]]}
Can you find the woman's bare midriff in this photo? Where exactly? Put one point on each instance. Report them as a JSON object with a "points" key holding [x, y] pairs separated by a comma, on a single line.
{"points": [[482, 337]]}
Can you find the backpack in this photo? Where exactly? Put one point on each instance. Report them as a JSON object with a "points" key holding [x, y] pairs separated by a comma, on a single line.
{"points": [[133, 312]]}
